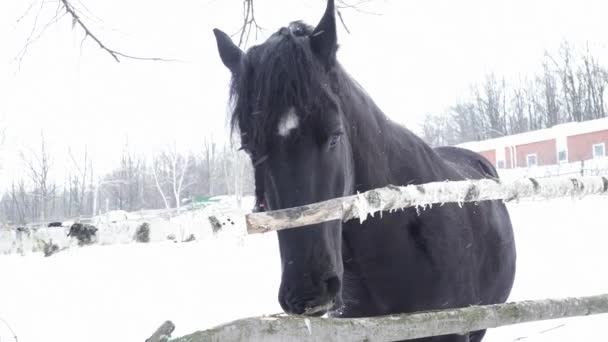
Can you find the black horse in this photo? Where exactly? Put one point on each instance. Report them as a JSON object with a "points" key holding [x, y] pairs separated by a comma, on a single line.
{"points": [[314, 134]]}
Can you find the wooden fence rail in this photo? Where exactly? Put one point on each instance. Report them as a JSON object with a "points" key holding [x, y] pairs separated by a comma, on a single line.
{"points": [[399, 327], [400, 197], [413, 325]]}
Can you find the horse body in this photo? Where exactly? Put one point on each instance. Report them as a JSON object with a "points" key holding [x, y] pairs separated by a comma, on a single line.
{"points": [[416, 259], [338, 142]]}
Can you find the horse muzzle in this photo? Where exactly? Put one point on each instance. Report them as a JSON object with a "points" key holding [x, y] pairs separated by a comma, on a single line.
{"points": [[311, 301]]}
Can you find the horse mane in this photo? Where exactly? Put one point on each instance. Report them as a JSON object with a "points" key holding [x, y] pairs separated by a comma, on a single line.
{"points": [[283, 72]]}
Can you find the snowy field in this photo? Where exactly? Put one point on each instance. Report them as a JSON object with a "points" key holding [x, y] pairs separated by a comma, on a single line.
{"points": [[123, 292]]}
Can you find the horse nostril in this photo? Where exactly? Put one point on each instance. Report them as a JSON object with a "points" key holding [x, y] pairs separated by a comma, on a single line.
{"points": [[319, 296], [332, 284]]}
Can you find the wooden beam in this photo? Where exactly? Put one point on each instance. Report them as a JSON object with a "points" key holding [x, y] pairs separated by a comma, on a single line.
{"points": [[392, 198], [399, 327]]}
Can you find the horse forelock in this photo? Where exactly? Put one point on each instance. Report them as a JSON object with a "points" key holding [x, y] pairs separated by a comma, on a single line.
{"points": [[277, 78]]}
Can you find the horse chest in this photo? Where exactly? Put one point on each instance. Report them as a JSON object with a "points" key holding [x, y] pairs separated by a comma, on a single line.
{"points": [[390, 268]]}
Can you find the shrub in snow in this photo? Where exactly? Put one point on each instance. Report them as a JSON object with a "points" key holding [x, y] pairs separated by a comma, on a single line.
{"points": [[49, 248], [85, 233], [190, 238], [171, 237], [143, 233], [216, 226]]}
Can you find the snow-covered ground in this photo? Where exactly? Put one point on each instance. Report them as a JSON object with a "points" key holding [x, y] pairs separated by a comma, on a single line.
{"points": [[123, 292]]}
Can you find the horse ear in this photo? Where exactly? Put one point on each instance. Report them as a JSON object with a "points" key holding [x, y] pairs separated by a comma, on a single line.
{"points": [[324, 40], [230, 54]]}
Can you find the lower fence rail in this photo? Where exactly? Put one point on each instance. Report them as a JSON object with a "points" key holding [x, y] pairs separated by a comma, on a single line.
{"points": [[398, 327]]}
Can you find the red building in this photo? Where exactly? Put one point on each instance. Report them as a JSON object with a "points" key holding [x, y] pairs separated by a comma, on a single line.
{"points": [[566, 143]]}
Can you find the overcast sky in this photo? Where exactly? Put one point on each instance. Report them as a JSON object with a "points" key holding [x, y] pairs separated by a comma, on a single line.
{"points": [[413, 57]]}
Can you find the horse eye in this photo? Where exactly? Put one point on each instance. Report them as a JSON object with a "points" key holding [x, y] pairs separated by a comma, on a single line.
{"points": [[334, 138]]}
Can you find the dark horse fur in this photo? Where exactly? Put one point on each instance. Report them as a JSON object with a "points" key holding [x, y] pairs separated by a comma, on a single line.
{"points": [[314, 134]]}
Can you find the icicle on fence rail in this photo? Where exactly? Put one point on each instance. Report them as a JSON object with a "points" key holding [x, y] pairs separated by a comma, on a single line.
{"points": [[399, 197], [399, 327]]}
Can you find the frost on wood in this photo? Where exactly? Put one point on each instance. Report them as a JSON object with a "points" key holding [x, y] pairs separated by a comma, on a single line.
{"points": [[399, 327], [392, 198]]}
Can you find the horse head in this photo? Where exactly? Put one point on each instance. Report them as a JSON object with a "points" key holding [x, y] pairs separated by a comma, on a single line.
{"points": [[288, 112]]}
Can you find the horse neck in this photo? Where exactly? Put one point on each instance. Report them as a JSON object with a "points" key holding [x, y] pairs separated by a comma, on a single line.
{"points": [[385, 152]]}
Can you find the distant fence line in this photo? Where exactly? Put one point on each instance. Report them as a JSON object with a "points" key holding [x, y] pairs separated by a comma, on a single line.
{"points": [[399, 327], [391, 198], [591, 167]]}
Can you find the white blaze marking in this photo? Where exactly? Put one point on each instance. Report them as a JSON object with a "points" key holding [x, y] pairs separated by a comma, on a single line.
{"points": [[288, 122]]}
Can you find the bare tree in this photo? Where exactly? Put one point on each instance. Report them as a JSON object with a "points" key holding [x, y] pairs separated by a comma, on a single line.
{"points": [[439, 130], [17, 207], [170, 169], [241, 166], [99, 184], [551, 100], [250, 22], [593, 84], [80, 16], [570, 87], [469, 124], [39, 166], [567, 89], [518, 120], [82, 170], [209, 155], [491, 107]]}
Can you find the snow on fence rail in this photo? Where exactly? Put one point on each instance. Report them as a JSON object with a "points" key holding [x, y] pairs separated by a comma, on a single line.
{"points": [[392, 198], [399, 327]]}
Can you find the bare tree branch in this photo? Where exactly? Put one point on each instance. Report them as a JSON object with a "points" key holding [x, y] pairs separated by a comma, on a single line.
{"points": [[81, 178], [9, 328], [249, 23], [159, 186], [30, 39], [66, 7], [26, 12], [342, 21], [357, 6], [76, 21], [39, 168]]}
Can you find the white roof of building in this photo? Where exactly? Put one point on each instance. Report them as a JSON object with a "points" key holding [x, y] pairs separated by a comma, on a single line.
{"points": [[562, 130]]}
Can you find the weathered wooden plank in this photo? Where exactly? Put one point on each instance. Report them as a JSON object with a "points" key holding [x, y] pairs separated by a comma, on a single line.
{"points": [[399, 327], [399, 197]]}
